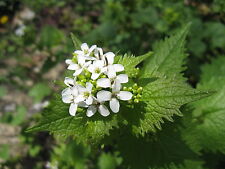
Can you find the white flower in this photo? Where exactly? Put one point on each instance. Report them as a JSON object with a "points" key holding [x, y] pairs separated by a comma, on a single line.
{"points": [[112, 69], [97, 105], [106, 82], [69, 95], [79, 66], [70, 82], [97, 68], [113, 96], [85, 94], [86, 52], [98, 53]]}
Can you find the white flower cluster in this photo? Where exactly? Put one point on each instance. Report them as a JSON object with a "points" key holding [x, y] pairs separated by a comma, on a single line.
{"points": [[96, 82]]}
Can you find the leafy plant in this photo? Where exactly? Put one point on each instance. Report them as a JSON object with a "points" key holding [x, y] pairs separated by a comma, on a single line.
{"points": [[164, 92]]}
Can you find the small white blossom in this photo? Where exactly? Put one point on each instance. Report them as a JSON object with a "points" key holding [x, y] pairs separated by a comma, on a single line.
{"points": [[69, 95], [85, 94], [86, 52], [106, 82], [97, 68], [79, 66], [114, 96]]}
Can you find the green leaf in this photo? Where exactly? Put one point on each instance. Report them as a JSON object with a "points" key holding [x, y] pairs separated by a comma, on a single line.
{"points": [[163, 98], [169, 55], [205, 127], [108, 161], [39, 91], [163, 150], [130, 62], [56, 119], [76, 41], [50, 36]]}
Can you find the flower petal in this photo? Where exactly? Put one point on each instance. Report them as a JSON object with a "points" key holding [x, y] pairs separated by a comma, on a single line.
{"points": [[91, 111], [91, 68], [123, 78], [69, 61], [104, 82], [73, 66], [79, 52], [89, 86], [95, 76], [103, 110], [89, 100], [81, 59], [69, 81], [118, 67], [124, 95], [79, 98], [104, 95], [73, 109], [111, 72], [114, 105], [82, 104], [66, 91], [84, 46], [67, 98], [116, 86], [74, 91], [81, 89], [77, 72], [110, 57], [93, 47], [99, 63]]}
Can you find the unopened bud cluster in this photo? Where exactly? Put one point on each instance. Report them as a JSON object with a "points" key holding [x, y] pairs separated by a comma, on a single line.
{"points": [[136, 91]]}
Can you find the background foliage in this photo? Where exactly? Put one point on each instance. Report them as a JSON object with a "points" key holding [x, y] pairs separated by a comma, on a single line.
{"points": [[31, 65]]}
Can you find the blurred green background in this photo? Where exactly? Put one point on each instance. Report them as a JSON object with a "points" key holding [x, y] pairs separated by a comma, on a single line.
{"points": [[35, 41]]}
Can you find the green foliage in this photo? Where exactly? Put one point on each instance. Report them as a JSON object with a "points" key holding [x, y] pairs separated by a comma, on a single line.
{"points": [[166, 93], [169, 55], [109, 161], [76, 41], [205, 127], [57, 120], [163, 98], [130, 62], [163, 150], [50, 36], [39, 91]]}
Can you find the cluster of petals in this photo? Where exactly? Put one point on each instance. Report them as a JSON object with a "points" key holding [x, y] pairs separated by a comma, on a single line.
{"points": [[102, 90]]}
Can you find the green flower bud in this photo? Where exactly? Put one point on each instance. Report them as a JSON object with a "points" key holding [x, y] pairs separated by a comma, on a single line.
{"points": [[81, 77], [134, 91], [83, 81], [139, 96], [140, 89], [136, 100], [130, 89], [125, 88]]}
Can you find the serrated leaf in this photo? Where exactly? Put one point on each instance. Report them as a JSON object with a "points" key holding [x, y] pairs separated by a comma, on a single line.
{"points": [[163, 98], [76, 42], [169, 55], [130, 62], [163, 150], [205, 128], [56, 119]]}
